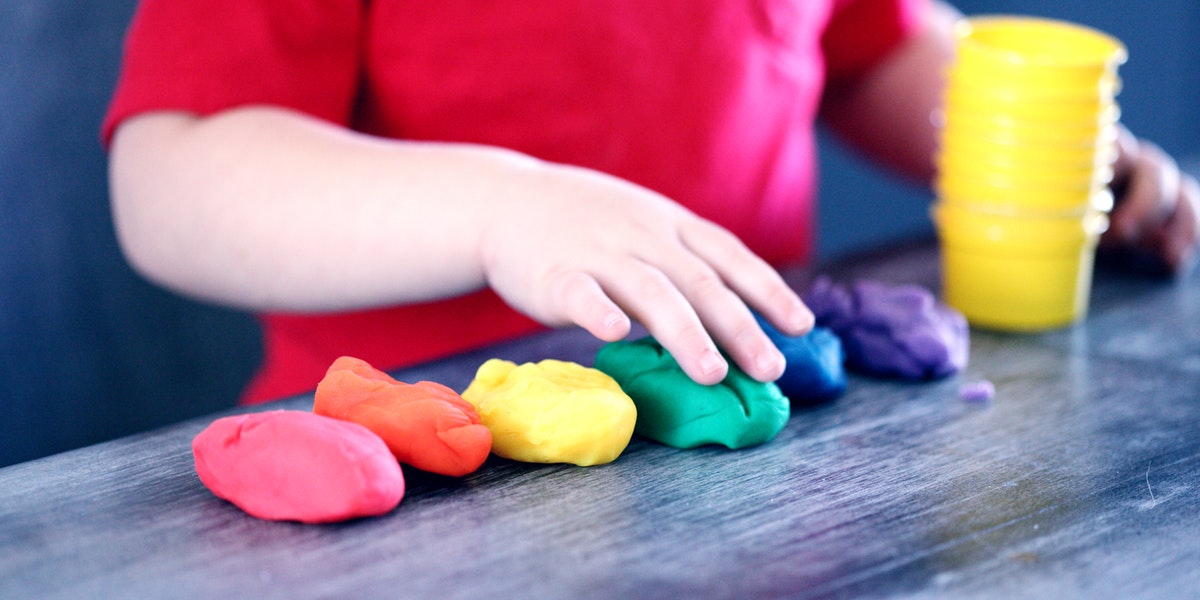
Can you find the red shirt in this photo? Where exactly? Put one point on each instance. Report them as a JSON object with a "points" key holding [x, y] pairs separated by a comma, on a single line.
{"points": [[711, 103]]}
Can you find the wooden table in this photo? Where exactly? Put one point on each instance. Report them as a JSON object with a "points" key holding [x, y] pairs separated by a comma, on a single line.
{"points": [[1081, 478]]}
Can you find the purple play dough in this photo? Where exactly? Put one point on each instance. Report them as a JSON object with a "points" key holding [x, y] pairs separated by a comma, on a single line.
{"points": [[980, 391], [892, 330]]}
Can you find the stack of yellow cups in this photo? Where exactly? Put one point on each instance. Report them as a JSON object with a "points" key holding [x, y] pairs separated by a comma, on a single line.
{"points": [[1026, 156]]}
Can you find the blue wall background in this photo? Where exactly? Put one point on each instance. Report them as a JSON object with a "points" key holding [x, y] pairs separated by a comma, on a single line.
{"points": [[89, 352]]}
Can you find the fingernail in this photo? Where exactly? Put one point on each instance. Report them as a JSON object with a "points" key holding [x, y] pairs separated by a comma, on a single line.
{"points": [[770, 363], [802, 318], [711, 362], [612, 320]]}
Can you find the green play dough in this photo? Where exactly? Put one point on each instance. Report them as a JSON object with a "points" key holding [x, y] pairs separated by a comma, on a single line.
{"points": [[676, 411]]}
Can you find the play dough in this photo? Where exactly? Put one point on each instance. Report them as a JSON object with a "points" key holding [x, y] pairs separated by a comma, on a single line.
{"points": [[979, 391], [552, 412], [892, 331], [815, 364], [426, 424], [297, 466], [678, 412]]}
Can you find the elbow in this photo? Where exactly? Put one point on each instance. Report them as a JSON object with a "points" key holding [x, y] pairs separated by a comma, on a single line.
{"points": [[132, 232], [136, 202]]}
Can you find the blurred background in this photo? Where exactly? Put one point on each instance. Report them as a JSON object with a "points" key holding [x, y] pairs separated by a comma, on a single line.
{"points": [[90, 352]]}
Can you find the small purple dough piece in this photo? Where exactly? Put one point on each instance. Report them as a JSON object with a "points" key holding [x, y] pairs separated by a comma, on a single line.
{"points": [[979, 391], [892, 330]]}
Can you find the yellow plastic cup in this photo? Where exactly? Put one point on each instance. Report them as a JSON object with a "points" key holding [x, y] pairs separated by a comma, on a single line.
{"points": [[981, 83], [1074, 115], [1033, 134], [981, 169], [1000, 198], [989, 98], [1042, 52], [1042, 66], [1002, 159], [1011, 155], [1043, 204], [1017, 272]]}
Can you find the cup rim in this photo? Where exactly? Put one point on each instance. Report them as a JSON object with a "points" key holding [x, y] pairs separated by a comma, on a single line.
{"points": [[1102, 152], [1040, 89], [971, 35], [1098, 202], [1035, 198], [984, 165], [1010, 159], [968, 105], [1040, 137], [1015, 231]]}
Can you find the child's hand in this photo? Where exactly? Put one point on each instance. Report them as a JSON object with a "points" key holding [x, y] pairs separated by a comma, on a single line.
{"points": [[597, 251], [1158, 207]]}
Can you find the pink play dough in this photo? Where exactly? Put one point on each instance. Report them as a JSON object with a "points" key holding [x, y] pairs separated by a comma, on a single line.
{"points": [[298, 466]]}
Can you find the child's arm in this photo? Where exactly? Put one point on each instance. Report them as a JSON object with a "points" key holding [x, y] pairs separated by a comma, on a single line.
{"points": [[889, 113], [267, 209]]}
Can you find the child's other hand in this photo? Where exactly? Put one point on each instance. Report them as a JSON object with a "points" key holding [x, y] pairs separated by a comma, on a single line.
{"points": [[598, 251], [1157, 210]]}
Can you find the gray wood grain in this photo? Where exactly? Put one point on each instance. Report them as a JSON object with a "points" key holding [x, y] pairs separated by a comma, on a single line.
{"points": [[1081, 478]]}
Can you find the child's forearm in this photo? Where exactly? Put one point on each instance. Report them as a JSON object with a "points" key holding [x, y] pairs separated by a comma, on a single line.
{"points": [[889, 112], [270, 210], [266, 209]]}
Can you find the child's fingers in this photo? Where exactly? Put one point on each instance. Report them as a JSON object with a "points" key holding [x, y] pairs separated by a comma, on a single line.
{"points": [[726, 318], [1151, 191], [672, 319], [750, 277], [1182, 230], [1158, 210], [606, 251], [583, 302], [750, 348], [655, 300]]}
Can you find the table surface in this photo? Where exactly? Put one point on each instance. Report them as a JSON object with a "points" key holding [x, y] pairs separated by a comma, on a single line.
{"points": [[1080, 478]]}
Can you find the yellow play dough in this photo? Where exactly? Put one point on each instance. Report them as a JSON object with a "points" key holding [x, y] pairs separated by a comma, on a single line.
{"points": [[552, 412]]}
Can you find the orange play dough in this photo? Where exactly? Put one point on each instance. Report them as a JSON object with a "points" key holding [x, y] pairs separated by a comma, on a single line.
{"points": [[426, 425]]}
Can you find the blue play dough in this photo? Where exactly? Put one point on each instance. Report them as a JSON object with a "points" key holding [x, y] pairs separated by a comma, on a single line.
{"points": [[815, 364]]}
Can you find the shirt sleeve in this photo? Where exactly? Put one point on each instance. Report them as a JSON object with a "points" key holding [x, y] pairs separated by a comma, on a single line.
{"points": [[204, 56], [863, 32]]}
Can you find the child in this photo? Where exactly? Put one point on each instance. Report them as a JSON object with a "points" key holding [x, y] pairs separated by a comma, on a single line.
{"points": [[381, 178]]}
